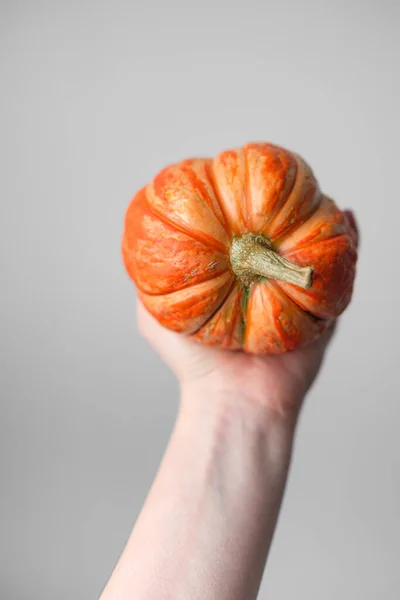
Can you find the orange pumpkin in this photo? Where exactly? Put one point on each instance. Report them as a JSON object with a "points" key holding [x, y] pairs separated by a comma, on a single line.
{"points": [[242, 251]]}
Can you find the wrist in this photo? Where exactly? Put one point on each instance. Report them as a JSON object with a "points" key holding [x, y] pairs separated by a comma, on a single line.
{"points": [[212, 404]]}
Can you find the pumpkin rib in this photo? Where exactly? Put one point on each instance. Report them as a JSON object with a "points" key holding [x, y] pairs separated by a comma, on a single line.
{"points": [[227, 169], [248, 323], [273, 172], [208, 168], [185, 287], [282, 334], [277, 209], [175, 260], [217, 309], [312, 242], [287, 231], [334, 271], [175, 196], [304, 309], [179, 288], [219, 168], [217, 193], [281, 207], [225, 338], [191, 166], [248, 203], [186, 310], [287, 253], [289, 192], [204, 238], [284, 339], [326, 222], [276, 285]]}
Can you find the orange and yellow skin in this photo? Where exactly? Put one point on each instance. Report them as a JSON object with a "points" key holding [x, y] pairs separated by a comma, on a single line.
{"points": [[177, 237]]}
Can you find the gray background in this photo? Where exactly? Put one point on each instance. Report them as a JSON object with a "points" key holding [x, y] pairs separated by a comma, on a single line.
{"points": [[95, 98]]}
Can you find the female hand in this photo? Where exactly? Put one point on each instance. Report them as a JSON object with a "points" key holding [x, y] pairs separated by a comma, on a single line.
{"points": [[207, 525], [277, 383]]}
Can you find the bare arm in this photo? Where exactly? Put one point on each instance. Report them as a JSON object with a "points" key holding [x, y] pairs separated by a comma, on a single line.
{"points": [[207, 524]]}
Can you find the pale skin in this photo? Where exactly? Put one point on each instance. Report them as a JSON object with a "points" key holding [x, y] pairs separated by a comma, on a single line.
{"points": [[207, 525]]}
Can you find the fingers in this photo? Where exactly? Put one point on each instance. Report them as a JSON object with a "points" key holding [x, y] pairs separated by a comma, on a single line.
{"points": [[150, 328], [143, 319], [310, 357], [327, 336], [171, 346]]}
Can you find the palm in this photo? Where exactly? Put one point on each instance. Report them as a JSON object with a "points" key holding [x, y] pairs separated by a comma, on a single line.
{"points": [[280, 380]]}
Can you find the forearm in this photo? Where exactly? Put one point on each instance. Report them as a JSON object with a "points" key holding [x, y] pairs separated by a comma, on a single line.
{"points": [[208, 522]]}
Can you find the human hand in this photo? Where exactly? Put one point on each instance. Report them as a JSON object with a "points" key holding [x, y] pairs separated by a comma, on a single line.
{"points": [[277, 383]]}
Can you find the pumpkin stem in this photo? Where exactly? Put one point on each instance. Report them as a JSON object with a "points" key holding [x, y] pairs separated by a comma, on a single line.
{"points": [[253, 257]]}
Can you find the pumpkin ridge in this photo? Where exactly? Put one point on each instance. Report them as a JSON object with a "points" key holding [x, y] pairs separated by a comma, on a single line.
{"points": [[283, 237], [267, 309], [185, 287], [280, 330], [203, 238], [312, 242], [316, 243], [217, 309], [334, 263], [276, 212], [240, 160], [287, 339], [189, 166], [281, 207], [276, 239], [189, 308], [179, 288], [224, 323], [248, 203], [208, 167], [281, 161], [276, 285]]}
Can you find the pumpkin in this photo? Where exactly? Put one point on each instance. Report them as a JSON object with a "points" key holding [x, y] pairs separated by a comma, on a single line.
{"points": [[242, 251]]}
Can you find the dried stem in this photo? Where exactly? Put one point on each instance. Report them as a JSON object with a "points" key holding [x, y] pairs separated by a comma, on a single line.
{"points": [[252, 257]]}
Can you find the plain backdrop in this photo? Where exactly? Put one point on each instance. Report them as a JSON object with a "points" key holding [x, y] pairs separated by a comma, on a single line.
{"points": [[95, 98]]}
